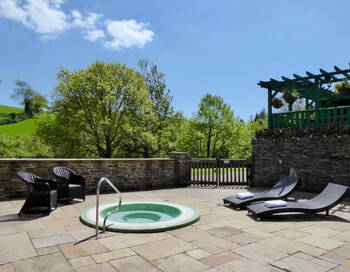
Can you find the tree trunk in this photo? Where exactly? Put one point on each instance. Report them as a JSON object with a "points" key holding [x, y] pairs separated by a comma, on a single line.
{"points": [[208, 143]]}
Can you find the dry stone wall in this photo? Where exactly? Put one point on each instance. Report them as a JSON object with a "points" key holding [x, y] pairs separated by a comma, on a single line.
{"points": [[318, 157], [126, 174]]}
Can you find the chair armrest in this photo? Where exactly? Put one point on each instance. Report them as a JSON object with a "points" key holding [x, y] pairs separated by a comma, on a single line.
{"points": [[78, 179], [51, 182], [40, 187]]}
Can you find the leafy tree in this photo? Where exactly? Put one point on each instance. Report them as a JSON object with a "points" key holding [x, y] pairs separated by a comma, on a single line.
{"points": [[150, 134], [213, 131], [244, 142], [25, 93], [62, 140], [23, 146], [39, 102], [261, 115], [93, 108]]}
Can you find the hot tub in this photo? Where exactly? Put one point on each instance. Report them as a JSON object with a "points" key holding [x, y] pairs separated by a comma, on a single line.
{"points": [[141, 216]]}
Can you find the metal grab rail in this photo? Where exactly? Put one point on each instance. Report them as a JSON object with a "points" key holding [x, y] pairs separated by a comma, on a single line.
{"points": [[98, 202]]}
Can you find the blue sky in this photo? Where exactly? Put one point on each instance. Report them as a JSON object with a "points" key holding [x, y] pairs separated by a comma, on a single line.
{"points": [[222, 47]]}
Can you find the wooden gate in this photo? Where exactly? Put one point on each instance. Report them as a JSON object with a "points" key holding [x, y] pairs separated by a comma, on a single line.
{"points": [[221, 171]]}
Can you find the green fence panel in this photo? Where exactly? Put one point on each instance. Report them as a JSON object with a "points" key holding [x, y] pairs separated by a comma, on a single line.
{"points": [[341, 116]]}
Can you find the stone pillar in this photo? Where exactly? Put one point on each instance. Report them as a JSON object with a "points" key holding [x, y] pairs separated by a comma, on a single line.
{"points": [[182, 167]]}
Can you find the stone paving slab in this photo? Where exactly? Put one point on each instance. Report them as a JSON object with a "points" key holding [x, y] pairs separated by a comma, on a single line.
{"points": [[296, 264], [112, 255], [346, 265], [219, 259], [343, 236], [326, 263], [198, 253], [103, 267], [15, 247], [340, 254], [162, 248], [90, 247], [290, 247], [52, 240], [179, 263], [224, 231], [83, 261], [46, 233], [133, 263], [10, 267], [132, 239], [48, 263], [321, 242], [48, 250], [260, 253], [243, 238], [190, 233], [245, 264], [319, 231], [215, 245], [19, 226]]}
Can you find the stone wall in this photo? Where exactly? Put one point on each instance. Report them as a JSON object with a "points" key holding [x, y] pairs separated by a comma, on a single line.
{"points": [[126, 174], [318, 156]]}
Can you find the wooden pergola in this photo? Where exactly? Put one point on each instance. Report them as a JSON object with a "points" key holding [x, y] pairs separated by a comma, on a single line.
{"points": [[310, 87]]}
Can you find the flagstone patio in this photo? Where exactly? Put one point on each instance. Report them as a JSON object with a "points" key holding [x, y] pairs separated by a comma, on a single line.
{"points": [[223, 240]]}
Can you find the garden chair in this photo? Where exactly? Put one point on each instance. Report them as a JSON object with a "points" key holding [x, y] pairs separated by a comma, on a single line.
{"points": [[327, 199], [42, 193], [70, 184]]}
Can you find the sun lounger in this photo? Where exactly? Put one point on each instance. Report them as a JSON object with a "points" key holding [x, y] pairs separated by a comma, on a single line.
{"points": [[327, 199], [283, 188]]}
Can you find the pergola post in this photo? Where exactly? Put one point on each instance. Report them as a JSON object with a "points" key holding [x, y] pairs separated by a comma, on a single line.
{"points": [[269, 108]]}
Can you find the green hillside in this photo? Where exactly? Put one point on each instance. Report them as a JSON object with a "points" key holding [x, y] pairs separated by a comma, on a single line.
{"points": [[8, 109], [26, 127]]}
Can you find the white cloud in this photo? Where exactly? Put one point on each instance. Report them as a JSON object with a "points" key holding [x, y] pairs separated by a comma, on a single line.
{"points": [[41, 16], [58, 3], [127, 34], [47, 18], [88, 24], [10, 10], [93, 35]]}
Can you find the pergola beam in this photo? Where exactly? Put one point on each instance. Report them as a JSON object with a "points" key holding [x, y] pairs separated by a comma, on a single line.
{"points": [[326, 74], [311, 79], [341, 71]]}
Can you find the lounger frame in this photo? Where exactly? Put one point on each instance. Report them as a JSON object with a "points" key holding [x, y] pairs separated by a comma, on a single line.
{"points": [[281, 190], [332, 195]]}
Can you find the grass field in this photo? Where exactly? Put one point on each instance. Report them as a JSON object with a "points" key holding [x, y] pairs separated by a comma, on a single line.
{"points": [[8, 109], [26, 127]]}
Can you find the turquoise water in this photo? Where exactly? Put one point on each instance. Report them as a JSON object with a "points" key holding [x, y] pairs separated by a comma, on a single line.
{"points": [[142, 213]]}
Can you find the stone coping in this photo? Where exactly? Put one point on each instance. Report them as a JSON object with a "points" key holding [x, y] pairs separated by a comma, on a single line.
{"points": [[86, 159]]}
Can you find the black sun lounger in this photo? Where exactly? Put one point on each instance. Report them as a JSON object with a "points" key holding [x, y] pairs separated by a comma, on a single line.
{"points": [[327, 199], [283, 188]]}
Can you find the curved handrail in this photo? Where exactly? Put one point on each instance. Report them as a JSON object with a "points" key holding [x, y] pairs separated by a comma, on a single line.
{"points": [[98, 201]]}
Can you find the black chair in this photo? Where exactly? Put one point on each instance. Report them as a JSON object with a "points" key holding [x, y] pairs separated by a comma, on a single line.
{"points": [[42, 193], [70, 184], [327, 199], [282, 189]]}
